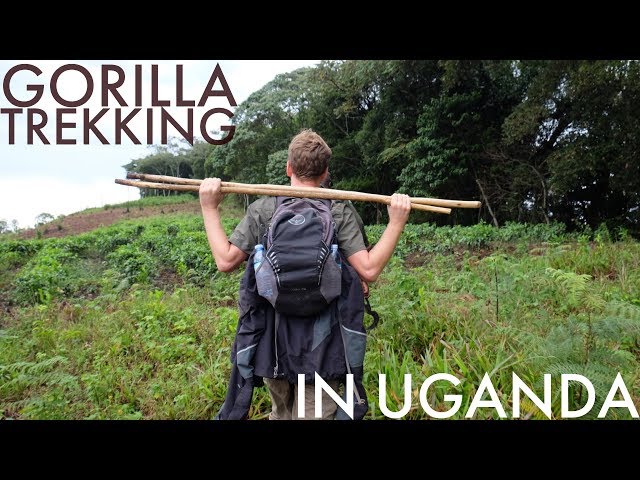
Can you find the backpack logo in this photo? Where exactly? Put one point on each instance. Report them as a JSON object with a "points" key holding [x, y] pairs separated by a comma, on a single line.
{"points": [[297, 220]]}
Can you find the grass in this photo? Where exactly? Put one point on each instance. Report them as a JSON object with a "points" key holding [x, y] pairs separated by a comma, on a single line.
{"points": [[134, 321]]}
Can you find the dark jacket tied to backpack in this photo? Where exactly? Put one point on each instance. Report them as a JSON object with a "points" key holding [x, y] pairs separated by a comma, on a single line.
{"points": [[270, 344]]}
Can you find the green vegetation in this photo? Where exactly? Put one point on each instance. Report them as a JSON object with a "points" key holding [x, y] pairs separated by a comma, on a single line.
{"points": [[134, 321], [535, 141]]}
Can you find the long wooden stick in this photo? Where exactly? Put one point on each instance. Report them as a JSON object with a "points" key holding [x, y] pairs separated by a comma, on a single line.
{"points": [[289, 191], [369, 196]]}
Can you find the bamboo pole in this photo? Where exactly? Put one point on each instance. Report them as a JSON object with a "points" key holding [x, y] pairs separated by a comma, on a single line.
{"points": [[369, 196], [326, 193]]}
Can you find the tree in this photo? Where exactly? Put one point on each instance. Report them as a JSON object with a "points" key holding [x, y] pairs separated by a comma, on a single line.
{"points": [[197, 156], [459, 132], [175, 160], [277, 167], [578, 125], [44, 218]]}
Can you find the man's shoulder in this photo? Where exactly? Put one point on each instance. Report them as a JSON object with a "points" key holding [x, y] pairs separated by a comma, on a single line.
{"points": [[338, 206], [343, 210], [263, 206]]}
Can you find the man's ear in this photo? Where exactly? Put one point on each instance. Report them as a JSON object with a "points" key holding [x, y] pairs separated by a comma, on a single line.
{"points": [[289, 169], [323, 175]]}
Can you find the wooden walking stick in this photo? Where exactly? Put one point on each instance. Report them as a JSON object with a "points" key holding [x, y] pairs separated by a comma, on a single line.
{"points": [[366, 197], [163, 182]]}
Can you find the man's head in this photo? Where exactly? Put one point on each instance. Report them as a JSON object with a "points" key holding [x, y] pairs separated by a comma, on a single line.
{"points": [[308, 155]]}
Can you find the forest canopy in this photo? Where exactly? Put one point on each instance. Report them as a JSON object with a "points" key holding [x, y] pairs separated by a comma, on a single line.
{"points": [[534, 140]]}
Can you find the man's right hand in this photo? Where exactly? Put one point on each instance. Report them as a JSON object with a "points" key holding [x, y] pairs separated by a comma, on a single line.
{"points": [[210, 193], [399, 209], [369, 264]]}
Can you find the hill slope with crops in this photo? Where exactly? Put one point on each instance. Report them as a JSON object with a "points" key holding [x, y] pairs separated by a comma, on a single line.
{"points": [[92, 218], [133, 320]]}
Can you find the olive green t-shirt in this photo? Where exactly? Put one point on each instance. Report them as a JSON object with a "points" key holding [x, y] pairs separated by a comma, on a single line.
{"points": [[256, 221]]}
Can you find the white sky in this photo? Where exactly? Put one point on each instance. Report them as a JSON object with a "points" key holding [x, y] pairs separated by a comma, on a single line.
{"points": [[61, 179]]}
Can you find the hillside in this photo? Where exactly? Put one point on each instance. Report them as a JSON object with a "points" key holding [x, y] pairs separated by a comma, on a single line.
{"points": [[133, 320], [90, 219]]}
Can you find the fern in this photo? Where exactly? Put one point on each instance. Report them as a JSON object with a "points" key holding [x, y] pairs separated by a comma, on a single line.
{"points": [[616, 359], [5, 335], [576, 287], [616, 328], [597, 340], [21, 375], [600, 375], [563, 342], [528, 409]]}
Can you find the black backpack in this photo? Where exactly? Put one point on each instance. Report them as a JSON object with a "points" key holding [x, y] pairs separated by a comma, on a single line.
{"points": [[299, 276]]}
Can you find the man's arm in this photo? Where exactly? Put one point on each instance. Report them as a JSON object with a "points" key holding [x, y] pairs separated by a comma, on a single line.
{"points": [[227, 256], [369, 264]]}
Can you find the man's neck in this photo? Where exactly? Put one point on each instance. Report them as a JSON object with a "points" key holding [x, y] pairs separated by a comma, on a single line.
{"points": [[304, 182]]}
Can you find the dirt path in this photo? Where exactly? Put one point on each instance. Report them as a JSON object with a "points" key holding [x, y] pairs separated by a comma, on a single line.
{"points": [[83, 222]]}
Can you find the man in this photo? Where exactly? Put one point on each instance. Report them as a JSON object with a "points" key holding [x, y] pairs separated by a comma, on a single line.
{"points": [[307, 165]]}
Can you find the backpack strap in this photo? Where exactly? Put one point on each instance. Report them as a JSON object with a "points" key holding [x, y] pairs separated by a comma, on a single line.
{"points": [[373, 313], [283, 199], [280, 201], [263, 228]]}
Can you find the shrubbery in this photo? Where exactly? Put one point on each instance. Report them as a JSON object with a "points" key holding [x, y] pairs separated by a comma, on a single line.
{"points": [[134, 321], [137, 251]]}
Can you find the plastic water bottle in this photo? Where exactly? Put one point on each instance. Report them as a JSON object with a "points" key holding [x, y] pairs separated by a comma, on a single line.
{"points": [[336, 255], [258, 257], [266, 282]]}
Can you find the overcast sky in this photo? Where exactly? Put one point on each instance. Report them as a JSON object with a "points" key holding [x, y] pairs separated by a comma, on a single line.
{"points": [[61, 179]]}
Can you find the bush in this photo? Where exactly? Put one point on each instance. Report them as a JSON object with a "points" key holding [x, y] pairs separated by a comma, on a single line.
{"points": [[44, 277], [134, 263], [428, 238]]}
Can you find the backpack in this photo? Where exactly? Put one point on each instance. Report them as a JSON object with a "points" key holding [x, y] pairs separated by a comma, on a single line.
{"points": [[298, 275]]}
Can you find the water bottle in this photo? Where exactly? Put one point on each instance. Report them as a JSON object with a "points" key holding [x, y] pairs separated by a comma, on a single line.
{"points": [[258, 257], [336, 255], [265, 280]]}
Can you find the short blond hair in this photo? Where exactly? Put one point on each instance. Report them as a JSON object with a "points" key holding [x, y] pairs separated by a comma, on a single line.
{"points": [[309, 154]]}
